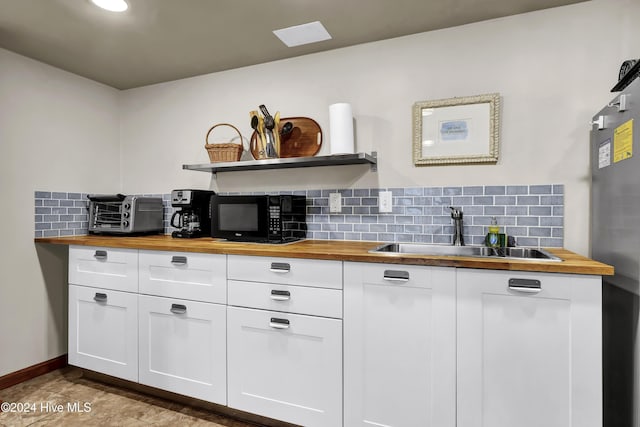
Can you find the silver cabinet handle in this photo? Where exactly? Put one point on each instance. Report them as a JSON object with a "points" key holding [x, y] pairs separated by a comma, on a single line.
{"points": [[100, 255], [100, 297], [529, 286], [279, 323], [277, 295], [280, 267], [396, 275], [179, 260], [178, 308]]}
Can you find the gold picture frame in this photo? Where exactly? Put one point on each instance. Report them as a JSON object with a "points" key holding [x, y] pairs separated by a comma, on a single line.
{"points": [[462, 130]]}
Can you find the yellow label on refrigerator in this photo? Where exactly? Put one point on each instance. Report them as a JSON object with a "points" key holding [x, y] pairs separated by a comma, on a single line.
{"points": [[623, 141]]}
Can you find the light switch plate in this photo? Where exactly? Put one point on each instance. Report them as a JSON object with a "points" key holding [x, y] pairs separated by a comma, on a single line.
{"points": [[385, 204], [335, 202]]}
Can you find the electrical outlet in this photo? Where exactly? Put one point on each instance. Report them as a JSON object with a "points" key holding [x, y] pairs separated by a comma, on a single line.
{"points": [[385, 204], [335, 202]]}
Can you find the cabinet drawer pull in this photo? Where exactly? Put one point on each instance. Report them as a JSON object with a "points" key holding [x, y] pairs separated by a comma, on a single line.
{"points": [[179, 260], [280, 267], [100, 297], [396, 275], [178, 308], [277, 295], [279, 323], [100, 255], [530, 286]]}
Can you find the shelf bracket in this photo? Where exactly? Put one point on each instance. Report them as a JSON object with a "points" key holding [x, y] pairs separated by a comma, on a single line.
{"points": [[374, 166]]}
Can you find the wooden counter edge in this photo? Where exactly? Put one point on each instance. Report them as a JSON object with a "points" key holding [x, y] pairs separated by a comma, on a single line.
{"points": [[355, 251]]}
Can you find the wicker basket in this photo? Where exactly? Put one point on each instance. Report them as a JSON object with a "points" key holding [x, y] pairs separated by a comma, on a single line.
{"points": [[225, 151]]}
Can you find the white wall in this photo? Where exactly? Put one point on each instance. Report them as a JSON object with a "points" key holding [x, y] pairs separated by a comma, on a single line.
{"points": [[554, 69], [58, 132]]}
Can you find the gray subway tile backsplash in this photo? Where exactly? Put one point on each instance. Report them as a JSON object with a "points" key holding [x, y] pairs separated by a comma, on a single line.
{"points": [[495, 190], [60, 214], [533, 214]]}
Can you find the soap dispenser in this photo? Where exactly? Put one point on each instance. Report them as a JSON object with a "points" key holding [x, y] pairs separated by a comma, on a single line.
{"points": [[493, 236]]}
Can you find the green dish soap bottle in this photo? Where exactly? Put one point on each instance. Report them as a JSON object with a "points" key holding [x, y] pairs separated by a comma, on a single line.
{"points": [[493, 236]]}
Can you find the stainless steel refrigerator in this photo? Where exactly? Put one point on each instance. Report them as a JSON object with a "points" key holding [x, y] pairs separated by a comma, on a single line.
{"points": [[615, 240]]}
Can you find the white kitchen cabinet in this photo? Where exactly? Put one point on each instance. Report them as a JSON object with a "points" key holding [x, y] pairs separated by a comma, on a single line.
{"points": [[399, 345], [284, 339], [183, 347], [186, 275], [529, 349], [285, 366], [107, 268], [103, 331], [423, 346]]}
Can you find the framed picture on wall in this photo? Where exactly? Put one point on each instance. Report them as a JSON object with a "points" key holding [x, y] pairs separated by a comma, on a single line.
{"points": [[461, 130]]}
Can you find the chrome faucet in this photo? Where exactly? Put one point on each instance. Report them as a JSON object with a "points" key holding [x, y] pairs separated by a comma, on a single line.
{"points": [[456, 215]]}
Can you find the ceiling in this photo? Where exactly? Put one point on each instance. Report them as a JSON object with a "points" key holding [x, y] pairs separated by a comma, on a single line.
{"points": [[156, 41]]}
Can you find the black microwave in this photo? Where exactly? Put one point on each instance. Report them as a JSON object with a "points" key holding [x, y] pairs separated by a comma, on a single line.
{"points": [[263, 219]]}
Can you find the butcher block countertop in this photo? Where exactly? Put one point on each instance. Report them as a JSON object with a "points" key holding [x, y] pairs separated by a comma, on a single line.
{"points": [[336, 250]]}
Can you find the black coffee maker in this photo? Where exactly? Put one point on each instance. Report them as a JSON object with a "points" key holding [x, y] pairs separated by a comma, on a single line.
{"points": [[194, 217]]}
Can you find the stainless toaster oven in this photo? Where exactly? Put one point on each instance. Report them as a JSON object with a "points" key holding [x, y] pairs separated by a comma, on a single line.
{"points": [[120, 214]]}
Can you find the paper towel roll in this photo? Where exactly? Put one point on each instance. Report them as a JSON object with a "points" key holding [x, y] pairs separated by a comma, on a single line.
{"points": [[341, 128]]}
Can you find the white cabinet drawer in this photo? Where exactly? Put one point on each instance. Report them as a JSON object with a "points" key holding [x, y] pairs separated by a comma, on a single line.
{"points": [[108, 268], [290, 271], [524, 283], [288, 298], [291, 372], [183, 347], [185, 275], [103, 331], [397, 274]]}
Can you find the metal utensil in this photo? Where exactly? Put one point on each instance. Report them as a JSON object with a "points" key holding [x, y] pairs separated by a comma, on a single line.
{"points": [[269, 124], [271, 147], [263, 138]]}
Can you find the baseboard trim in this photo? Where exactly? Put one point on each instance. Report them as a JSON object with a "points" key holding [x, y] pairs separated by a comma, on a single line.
{"points": [[33, 371]]}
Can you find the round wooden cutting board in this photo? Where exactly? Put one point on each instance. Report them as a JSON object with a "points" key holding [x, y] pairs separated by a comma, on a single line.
{"points": [[304, 140]]}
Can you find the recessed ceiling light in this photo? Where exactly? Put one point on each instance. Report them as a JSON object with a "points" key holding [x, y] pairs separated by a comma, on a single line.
{"points": [[303, 34], [112, 5]]}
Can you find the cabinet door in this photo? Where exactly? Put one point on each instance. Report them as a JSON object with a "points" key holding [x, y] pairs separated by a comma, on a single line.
{"points": [[103, 332], [285, 366], [106, 268], [399, 345], [198, 277], [183, 347], [529, 349]]}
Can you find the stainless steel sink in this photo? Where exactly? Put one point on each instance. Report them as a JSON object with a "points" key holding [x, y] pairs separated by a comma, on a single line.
{"points": [[530, 253], [468, 251], [424, 249]]}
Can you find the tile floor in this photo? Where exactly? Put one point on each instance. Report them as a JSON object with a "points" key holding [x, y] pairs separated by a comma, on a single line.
{"points": [[107, 405]]}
